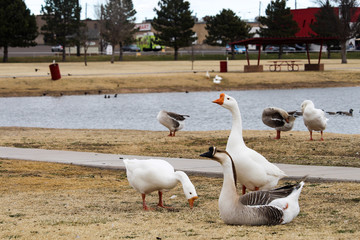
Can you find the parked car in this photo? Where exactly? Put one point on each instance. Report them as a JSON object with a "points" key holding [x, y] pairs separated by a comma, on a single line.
{"points": [[285, 48], [238, 49], [131, 48], [288, 49], [270, 48], [57, 48], [300, 48]]}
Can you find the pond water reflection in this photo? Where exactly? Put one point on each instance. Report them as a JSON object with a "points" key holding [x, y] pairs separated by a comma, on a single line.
{"points": [[138, 111]]}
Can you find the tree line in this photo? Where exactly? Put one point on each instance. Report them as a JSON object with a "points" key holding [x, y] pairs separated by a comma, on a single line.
{"points": [[173, 24]]}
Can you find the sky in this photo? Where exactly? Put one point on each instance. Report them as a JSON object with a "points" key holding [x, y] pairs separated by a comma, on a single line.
{"points": [[246, 9]]}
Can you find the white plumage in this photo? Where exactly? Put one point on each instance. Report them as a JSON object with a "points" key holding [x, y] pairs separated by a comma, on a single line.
{"points": [[314, 119], [173, 121], [279, 119], [217, 79], [254, 171], [151, 175], [278, 206]]}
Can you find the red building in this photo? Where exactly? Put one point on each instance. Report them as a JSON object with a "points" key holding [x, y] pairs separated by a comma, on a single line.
{"points": [[305, 17]]}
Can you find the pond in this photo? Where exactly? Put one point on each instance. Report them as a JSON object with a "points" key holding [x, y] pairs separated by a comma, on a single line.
{"points": [[139, 111]]}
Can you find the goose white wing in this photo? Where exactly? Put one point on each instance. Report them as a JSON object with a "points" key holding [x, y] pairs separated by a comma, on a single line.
{"points": [[150, 175]]}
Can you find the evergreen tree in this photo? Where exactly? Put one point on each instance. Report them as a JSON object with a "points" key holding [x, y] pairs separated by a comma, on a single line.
{"points": [[326, 24], [118, 24], [173, 24], [62, 19], [278, 22], [17, 26], [225, 28]]}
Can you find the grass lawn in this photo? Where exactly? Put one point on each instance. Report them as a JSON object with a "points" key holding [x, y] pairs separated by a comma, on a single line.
{"points": [[57, 201]]}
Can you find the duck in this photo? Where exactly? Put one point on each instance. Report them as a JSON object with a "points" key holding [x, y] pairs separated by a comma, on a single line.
{"points": [[254, 171], [150, 175], [314, 119], [272, 207], [217, 79], [173, 121], [279, 119], [350, 113], [331, 113]]}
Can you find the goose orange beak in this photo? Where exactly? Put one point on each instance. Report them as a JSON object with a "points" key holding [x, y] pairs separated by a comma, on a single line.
{"points": [[220, 100], [191, 201]]}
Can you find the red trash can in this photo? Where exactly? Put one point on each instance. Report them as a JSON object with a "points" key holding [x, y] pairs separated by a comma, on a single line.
{"points": [[55, 71], [223, 66]]}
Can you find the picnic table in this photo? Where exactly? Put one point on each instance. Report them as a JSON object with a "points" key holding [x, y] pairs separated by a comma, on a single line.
{"points": [[291, 65]]}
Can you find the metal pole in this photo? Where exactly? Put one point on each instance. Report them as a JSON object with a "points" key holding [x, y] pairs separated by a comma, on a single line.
{"points": [[247, 55], [259, 55], [320, 52], [307, 52]]}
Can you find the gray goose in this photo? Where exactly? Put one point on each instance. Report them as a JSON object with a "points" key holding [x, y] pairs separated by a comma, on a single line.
{"points": [[278, 206], [173, 121], [279, 119]]}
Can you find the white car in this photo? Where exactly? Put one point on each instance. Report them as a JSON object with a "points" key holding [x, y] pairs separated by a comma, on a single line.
{"points": [[57, 48]]}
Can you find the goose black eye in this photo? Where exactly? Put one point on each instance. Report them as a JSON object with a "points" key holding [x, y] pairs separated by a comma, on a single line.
{"points": [[190, 193], [228, 98]]}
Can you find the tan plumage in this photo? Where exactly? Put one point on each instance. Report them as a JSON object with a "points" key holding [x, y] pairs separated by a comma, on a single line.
{"points": [[279, 119], [173, 121], [278, 206]]}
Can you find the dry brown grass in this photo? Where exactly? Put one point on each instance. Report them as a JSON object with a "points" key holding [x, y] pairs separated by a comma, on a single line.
{"points": [[57, 201], [123, 77], [293, 147]]}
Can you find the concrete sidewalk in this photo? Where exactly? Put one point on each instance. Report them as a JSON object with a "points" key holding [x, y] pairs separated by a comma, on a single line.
{"points": [[192, 166]]}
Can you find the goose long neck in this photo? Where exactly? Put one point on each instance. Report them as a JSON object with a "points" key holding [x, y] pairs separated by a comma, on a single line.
{"points": [[236, 135], [228, 190], [182, 177]]}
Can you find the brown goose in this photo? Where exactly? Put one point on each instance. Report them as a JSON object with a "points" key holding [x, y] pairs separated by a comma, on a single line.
{"points": [[278, 206], [279, 119], [173, 121]]}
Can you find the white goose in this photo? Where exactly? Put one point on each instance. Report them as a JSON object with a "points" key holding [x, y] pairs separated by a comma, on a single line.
{"points": [[254, 171], [217, 79], [151, 175], [279, 119], [278, 206], [173, 121], [314, 119]]}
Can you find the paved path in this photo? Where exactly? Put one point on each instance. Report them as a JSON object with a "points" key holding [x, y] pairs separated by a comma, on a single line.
{"points": [[193, 166]]}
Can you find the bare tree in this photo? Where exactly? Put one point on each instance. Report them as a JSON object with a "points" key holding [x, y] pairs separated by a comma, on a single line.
{"points": [[348, 26], [85, 36], [118, 24]]}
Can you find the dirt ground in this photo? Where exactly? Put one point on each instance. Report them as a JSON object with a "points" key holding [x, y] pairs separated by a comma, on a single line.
{"points": [[163, 76], [57, 201]]}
